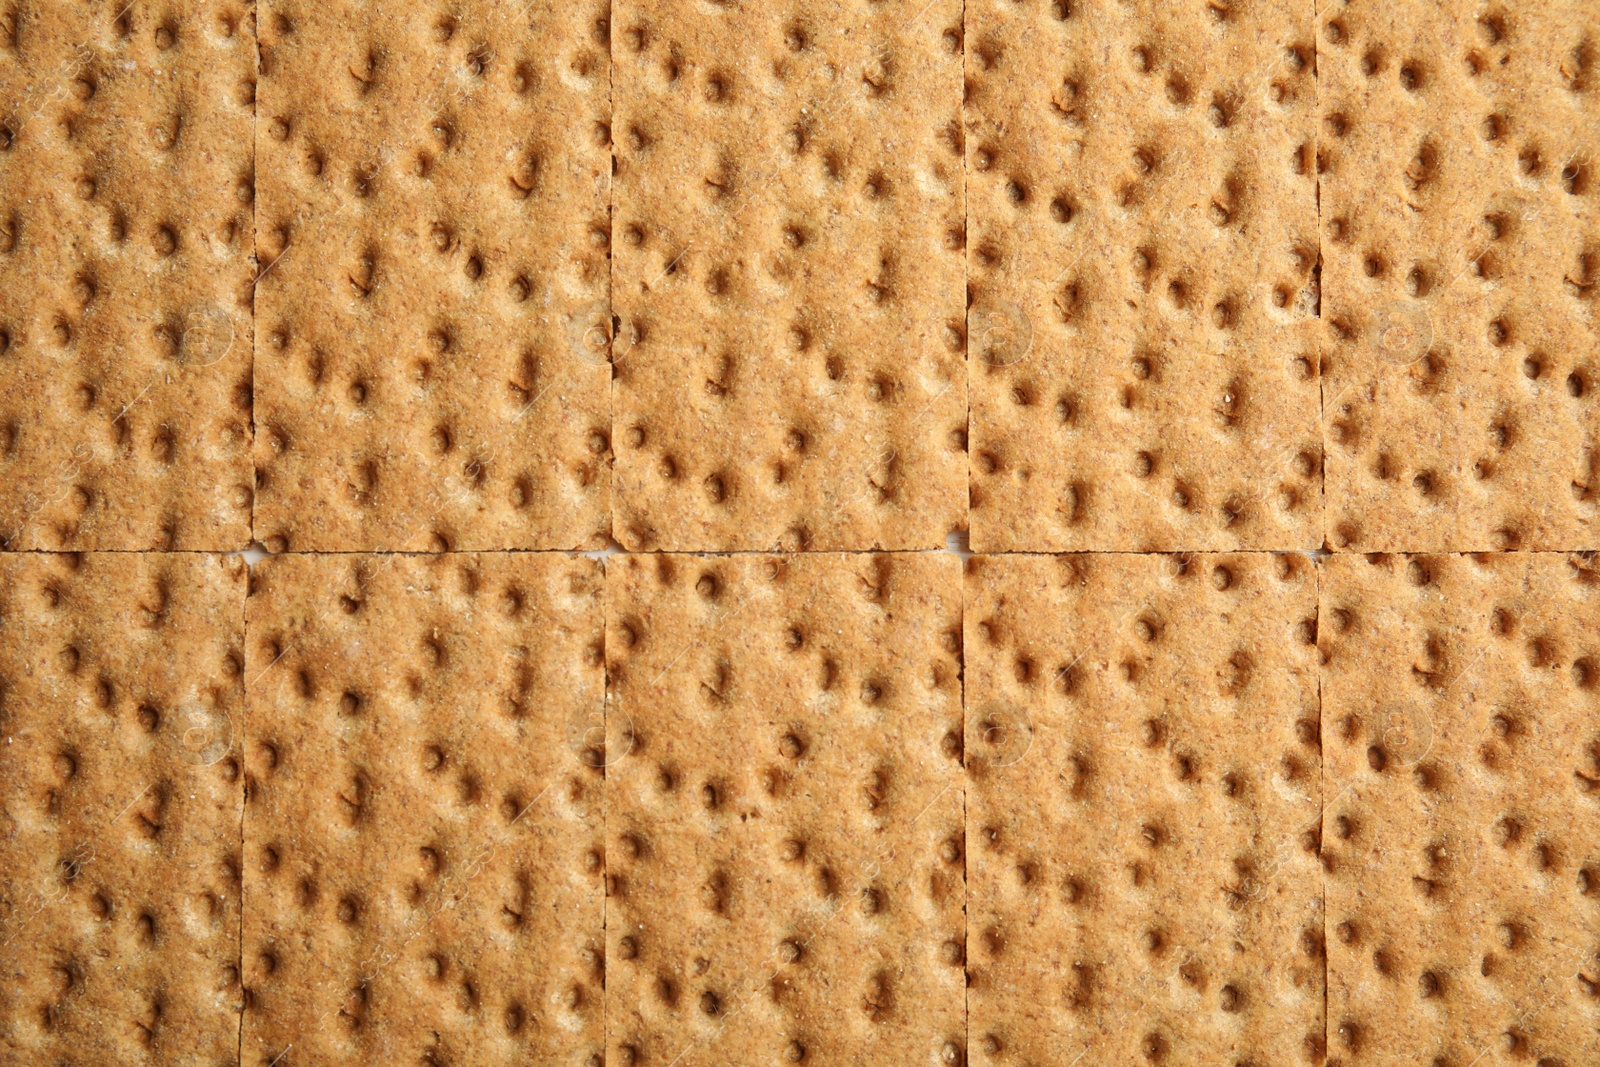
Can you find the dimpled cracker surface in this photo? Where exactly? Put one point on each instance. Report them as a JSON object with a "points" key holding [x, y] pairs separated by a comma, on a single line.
{"points": [[1142, 264], [1142, 814], [790, 369], [126, 181], [1459, 149], [784, 810], [433, 239], [423, 833], [1461, 837], [121, 685]]}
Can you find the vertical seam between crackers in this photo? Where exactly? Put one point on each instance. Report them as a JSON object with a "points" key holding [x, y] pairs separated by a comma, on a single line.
{"points": [[1322, 494], [1322, 760], [966, 515], [1322, 394], [255, 245], [244, 613], [611, 521], [966, 361], [1322, 501], [611, 388]]}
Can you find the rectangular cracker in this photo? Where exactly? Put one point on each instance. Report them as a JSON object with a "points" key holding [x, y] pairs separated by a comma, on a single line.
{"points": [[789, 360], [783, 810], [121, 684], [430, 372], [1142, 270], [126, 180], [1462, 263], [422, 861], [1461, 714], [1142, 810]]}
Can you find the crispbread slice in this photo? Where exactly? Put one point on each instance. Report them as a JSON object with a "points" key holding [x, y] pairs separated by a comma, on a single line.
{"points": [[788, 280], [126, 181], [1461, 841], [1142, 812], [1142, 270], [1458, 148], [121, 684], [784, 809], [430, 367], [423, 868]]}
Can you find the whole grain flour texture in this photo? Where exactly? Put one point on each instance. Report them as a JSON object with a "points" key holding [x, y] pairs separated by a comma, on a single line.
{"points": [[1461, 838], [1461, 268], [422, 861], [126, 185], [784, 809], [433, 321], [790, 369], [1142, 268], [121, 787], [1143, 810]]}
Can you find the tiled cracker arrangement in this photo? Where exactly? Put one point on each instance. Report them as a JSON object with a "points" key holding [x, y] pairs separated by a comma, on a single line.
{"points": [[605, 383]]}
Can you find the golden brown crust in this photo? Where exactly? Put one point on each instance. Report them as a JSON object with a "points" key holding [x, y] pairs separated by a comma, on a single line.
{"points": [[433, 238], [126, 181], [1461, 840], [1460, 269], [789, 363], [121, 688], [1142, 276], [1143, 802], [422, 868], [784, 802]]}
